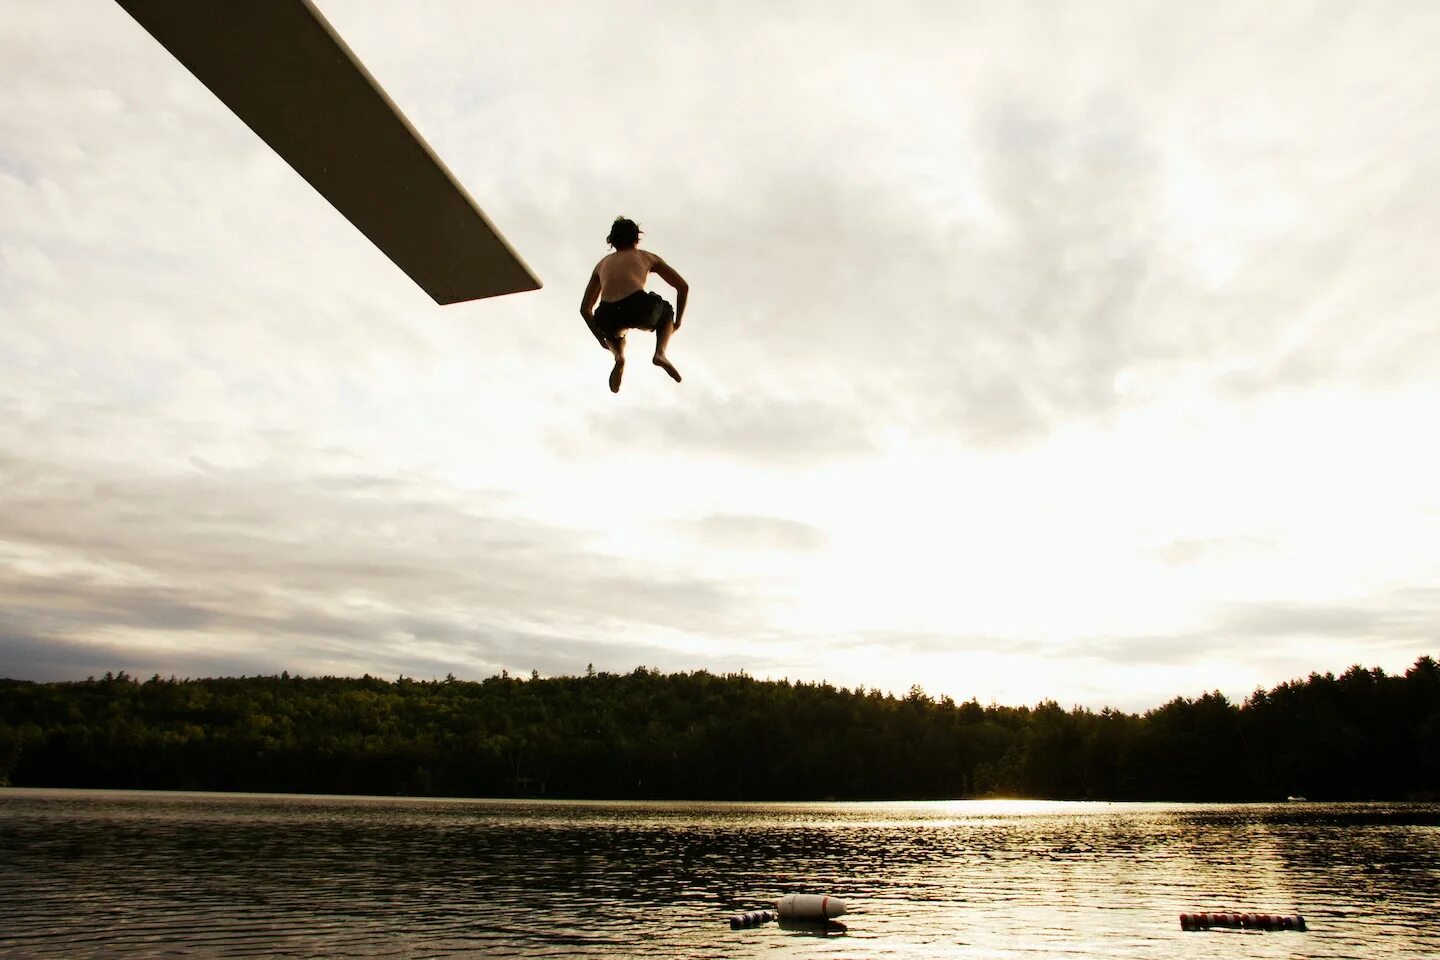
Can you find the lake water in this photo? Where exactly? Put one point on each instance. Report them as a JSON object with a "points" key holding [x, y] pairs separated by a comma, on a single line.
{"points": [[101, 874]]}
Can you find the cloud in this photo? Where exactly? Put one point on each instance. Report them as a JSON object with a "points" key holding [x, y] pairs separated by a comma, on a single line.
{"points": [[1400, 618], [1399, 622], [926, 642], [1214, 549], [760, 429], [967, 247], [319, 572], [59, 658], [742, 531]]}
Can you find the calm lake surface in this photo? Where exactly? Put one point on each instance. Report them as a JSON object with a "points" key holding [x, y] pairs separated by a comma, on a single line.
{"points": [[102, 874]]}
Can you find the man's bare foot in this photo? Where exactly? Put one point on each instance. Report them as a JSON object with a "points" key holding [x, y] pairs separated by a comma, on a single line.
{"points": [[616, 373], [668, 367]]}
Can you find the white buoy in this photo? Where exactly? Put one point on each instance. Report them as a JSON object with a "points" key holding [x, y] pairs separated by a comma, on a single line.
{"points": [[809, 906]]}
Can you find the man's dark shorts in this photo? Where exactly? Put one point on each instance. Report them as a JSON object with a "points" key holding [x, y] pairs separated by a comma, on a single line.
{"points": [[641, 310]]}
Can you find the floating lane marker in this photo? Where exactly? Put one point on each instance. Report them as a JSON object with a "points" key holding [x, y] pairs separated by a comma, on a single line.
{"points": [[1241, 921], [751, 919]]}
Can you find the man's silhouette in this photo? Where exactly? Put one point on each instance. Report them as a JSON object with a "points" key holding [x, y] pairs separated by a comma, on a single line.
{"points": [[619, 282]]}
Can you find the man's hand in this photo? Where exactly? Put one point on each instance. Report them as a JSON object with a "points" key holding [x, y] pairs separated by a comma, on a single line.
{"points": [[682, 289], [595, 331], [587, 309]]}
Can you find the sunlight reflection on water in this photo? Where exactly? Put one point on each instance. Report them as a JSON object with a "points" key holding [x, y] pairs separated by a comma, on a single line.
{"points": [[96, 874]]}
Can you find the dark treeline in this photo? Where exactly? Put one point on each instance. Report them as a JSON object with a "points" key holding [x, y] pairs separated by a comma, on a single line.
{"points": [[1361, 735]]}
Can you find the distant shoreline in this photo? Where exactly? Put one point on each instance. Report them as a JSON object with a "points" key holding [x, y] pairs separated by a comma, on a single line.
{"points": [[982, 805], [1362, 736]]}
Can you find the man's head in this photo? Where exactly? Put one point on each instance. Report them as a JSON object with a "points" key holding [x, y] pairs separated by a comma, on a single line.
{"points": [[624, 234]]}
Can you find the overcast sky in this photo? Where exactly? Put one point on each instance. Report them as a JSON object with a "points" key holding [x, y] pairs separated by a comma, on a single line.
{"points": [[1073, 351]]}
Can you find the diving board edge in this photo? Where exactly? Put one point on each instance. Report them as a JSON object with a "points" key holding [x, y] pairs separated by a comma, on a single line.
{"points": [[282, 69]]}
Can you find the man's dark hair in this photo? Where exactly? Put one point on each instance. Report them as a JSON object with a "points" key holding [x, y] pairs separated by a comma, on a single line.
{"points": [[624, 233]]}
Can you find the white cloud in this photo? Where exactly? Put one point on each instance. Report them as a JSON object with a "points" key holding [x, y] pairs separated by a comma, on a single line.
{"points": [[1032, 352]]}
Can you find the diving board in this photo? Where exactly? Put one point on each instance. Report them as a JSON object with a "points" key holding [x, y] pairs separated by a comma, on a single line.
{"points": [[281, 67]]}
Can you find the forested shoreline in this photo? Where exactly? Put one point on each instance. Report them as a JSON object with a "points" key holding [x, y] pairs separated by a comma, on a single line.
{"points": [[646, 735]]}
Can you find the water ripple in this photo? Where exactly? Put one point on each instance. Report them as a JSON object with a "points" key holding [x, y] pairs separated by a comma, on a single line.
{"points": [[93, 874]]}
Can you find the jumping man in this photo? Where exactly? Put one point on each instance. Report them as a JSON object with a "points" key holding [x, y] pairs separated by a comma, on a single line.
{"points": [[619, 282]]}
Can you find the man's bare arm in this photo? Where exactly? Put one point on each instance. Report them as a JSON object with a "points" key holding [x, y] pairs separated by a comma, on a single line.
{"points": [[587, 308], [682, 289]]}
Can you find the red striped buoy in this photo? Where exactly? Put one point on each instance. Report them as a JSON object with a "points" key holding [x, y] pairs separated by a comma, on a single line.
{"points": [[809, 906]]}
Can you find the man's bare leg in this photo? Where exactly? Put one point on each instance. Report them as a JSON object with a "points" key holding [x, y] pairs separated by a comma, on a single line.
{"points": [[617, 350], [662, 337]]}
